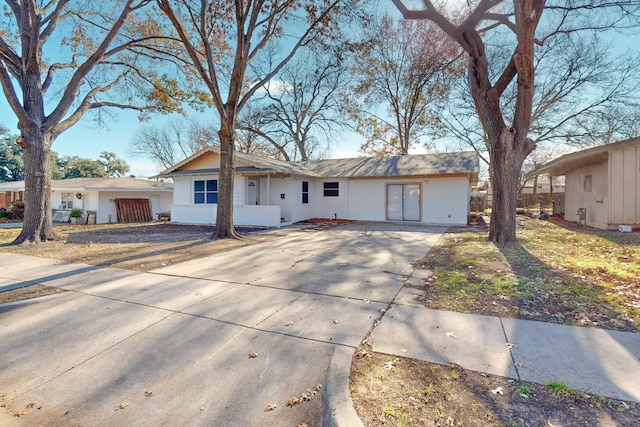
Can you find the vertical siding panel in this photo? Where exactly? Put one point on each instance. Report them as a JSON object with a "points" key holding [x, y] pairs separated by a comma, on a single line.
{"points": [[629, 185], [617, 188]]}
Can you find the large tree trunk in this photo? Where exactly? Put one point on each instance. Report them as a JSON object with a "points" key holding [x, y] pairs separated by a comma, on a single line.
{"points": [[224, 215], [507, 159], [37, 225]]}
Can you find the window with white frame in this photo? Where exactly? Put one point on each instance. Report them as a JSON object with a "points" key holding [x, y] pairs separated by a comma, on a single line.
{"points": [[66, 201], [205, 191]]}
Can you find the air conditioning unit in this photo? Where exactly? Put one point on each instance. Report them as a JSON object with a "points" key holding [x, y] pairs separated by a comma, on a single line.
{"points": [[624, 228]]}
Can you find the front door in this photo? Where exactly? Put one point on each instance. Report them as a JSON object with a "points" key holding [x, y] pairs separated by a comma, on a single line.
{"points": [[252, 192], [403, 202]]}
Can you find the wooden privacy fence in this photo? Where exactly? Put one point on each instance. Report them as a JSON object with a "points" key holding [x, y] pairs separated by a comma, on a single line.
{"points": [[133, 210]]}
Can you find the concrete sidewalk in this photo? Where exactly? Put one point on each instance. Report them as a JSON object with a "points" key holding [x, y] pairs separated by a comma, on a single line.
{"points": [[10, 225], [172, 347], [594, 360]]}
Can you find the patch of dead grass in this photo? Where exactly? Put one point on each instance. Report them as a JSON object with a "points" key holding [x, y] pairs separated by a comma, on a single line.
{"points": [[396, 391], [552, 274]]}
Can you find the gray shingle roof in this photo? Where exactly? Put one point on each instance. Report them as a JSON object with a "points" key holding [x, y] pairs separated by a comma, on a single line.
{"points": [[361, 167], [415, 164], [104, 184], [270, 165]]}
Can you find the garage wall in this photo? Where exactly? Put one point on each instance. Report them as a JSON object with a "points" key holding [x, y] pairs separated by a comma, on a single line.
{"points": [[445, 201], [271, 192], [594, 201], [301, 211], [327, 207], [368, 199], [624, 181]]}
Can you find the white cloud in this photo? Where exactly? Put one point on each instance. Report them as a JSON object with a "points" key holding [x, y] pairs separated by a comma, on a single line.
{"points": [[275, 87]]}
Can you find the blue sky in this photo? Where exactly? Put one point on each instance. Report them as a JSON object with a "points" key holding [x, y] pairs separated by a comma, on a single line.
{"points": [[86, 140]]}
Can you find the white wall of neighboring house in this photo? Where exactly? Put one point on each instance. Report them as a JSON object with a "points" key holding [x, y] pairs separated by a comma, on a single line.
{"points": [[594, 200], [102, 202], [445, 201]]}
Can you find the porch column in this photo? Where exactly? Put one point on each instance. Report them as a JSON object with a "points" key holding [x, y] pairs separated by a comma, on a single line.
{"points": [[269, 189]]}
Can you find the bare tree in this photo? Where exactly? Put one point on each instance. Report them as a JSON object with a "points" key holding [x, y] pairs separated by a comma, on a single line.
{"points": [[300, 111], [174, 141], [507, 137], [101, 65], [584, 95], [222, 38], [404, 71]]}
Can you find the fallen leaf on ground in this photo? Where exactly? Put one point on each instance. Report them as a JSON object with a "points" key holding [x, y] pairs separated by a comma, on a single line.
{"points": [[122, 406], [362, 353], [306, 396], [270, 407], [288, 323], [511, 346], [148, 393], [253, 355]]}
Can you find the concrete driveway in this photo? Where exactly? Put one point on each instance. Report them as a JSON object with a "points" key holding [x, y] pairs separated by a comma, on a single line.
{"points": [[171, 347]]}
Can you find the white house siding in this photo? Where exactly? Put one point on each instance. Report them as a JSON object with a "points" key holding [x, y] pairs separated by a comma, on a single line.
{"points": [[238, 191], [368, 199], [594, 201], [445, 201], [182, 190], [624, 186], [272, 190], [328, 207], [183, 210], [301, 211]]}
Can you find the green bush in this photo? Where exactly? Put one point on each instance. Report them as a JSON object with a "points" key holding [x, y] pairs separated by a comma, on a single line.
{"points": [[75, 213]]}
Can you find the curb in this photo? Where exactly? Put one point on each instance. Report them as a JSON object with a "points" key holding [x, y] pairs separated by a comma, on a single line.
{"points": [[337, 406]]}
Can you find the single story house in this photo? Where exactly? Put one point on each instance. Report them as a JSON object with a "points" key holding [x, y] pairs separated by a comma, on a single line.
{"points": [[601, 183], [426, 188], [98, 195]]}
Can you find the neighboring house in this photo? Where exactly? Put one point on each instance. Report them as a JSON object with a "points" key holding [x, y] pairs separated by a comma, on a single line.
{"points": [[603, 182], [427, 188], [543, 187], [5, 199], [99, 194]]}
